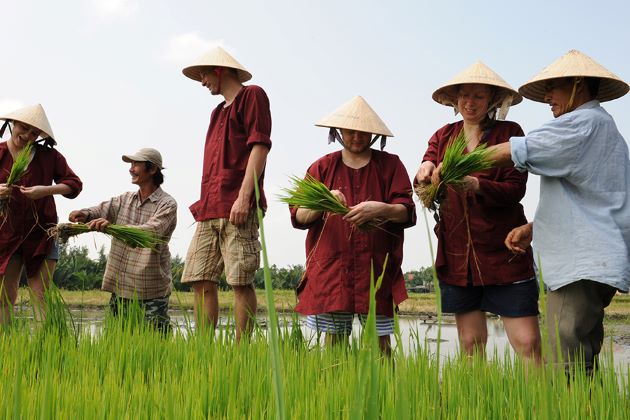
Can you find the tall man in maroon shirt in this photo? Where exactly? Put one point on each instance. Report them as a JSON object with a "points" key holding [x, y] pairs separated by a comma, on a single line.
{"points": [[236, 148]]}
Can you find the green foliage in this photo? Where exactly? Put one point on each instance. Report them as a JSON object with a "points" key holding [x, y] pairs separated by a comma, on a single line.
{"points": [[132, 236], [455, 166], [309, 193], [18, 169]]}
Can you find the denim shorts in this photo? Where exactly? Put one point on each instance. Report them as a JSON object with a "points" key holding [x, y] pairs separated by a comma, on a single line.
{"points": [[52, 255], [512, 300]]}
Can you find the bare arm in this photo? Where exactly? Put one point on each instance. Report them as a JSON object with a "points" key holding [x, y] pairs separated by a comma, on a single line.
{"points": [[256, 162], [502, 155], [40, 191], [370, 210]]}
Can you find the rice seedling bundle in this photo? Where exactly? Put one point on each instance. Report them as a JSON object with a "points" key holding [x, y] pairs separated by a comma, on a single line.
{"points": [[455, 166], [18, 169], [130, 235], [309, 193]]}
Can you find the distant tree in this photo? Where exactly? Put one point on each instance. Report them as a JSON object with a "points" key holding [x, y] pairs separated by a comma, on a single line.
{"points": [[422, 277], [77, 271]]}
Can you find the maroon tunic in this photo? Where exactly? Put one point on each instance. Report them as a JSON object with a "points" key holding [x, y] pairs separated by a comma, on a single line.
{"points": [[473, 227], [24, 229], [232, 133], [340, 256]]}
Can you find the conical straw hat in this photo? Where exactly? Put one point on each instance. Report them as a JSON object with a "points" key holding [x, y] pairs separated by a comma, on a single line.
{"points": [[32, 115], [478, 73], [356, 115], [575, 64], [216, 57]]}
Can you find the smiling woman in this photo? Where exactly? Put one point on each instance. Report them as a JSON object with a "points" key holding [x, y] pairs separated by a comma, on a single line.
{"points": [[30, 208]]}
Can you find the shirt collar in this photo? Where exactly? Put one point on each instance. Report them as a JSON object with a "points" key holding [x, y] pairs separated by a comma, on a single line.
{"points": [[155, 195], [594, 103]]}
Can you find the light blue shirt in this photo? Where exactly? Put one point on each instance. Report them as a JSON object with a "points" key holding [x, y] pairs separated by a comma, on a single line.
{"points": [[582, 223]]}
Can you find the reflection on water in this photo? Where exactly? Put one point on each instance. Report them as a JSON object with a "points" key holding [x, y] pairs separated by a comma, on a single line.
{"points": [[416, 332]]}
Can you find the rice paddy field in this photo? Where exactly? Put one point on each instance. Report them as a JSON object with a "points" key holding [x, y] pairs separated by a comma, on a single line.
{"points": [[52, 369]]}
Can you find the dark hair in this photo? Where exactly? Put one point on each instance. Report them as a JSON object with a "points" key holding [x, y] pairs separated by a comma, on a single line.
{"points": [[592, 83], [158, 176]]}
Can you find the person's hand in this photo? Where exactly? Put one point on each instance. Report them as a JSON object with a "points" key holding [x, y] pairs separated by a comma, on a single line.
{"points": [[35, 192], [98, 224], [364, 212], [339, 196], [436, 176], [5, 192], [239, 211], [519, 239], [77, 216], [469, 183], [425, 171]]}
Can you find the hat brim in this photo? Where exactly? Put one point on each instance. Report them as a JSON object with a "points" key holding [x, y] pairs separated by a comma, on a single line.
{"points": [[194, 72], [447, 95], [136, 158], [609, 89]]}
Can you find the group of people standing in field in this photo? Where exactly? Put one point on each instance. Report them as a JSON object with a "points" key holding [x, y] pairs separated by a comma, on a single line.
{"points": [[484, 263]]}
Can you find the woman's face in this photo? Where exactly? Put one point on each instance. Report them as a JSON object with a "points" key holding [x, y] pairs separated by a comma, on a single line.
{"points": [[24, 134], [356, 141], [473, 101]]}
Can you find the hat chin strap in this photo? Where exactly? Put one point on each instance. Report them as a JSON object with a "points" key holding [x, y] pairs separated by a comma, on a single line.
{"points": [[572, 98], [4, 127], [333, 135]]}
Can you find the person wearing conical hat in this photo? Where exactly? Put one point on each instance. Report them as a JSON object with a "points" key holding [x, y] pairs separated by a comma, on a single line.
{"points": [[135, 275], [236, 147], [28, 207], [340, 251], [477, 274], [581, 229]]}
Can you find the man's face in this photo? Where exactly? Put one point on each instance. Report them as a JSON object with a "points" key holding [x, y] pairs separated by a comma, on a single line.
{"points": [[472, 102], [140, 175], [24, 133], [558, 94], [210, 79], [356, 141]]}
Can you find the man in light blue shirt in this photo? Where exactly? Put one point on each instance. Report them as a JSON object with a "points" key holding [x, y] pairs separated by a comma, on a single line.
{"points": [[581, 229]]}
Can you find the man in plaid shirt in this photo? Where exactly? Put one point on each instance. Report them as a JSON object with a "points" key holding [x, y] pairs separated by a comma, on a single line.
{"points": [[138, 273]]}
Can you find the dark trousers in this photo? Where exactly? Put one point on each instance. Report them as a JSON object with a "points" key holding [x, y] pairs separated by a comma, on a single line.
{"points": [[575, 321]]}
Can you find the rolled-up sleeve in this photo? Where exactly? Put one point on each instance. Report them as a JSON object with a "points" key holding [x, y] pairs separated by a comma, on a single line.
{"points": [[552, 150]]}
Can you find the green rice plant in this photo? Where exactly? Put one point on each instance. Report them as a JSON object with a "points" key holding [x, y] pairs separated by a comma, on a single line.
{"points": [[132, 236], [309, 193], [455, 166], [18, 169], [276, 359]]}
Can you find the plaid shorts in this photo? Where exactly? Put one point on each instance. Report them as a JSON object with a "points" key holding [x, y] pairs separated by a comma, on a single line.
{"points": [[341, 323], [217, 245]]}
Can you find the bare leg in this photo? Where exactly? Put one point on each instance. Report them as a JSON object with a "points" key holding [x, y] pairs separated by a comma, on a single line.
{"points": [[385, 344], [9, 284], [244, 310], [524, 336], [336, 339], [206, 304], [38, 284], [472, 332]]}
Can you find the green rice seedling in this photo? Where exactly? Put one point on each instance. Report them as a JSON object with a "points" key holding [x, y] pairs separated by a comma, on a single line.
{"points": [[455, 166], [18, 169], [309, 193], [273, 330], [130, 235]]}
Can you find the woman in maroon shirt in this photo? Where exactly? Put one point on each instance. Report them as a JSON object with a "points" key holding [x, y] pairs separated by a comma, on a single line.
{"points": [[30, 207], [477, 272]]}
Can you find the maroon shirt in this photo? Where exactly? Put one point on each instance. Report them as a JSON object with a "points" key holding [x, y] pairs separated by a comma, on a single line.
{"points": [[24, 229], [481, 255], [339, 255], [233, 131]]}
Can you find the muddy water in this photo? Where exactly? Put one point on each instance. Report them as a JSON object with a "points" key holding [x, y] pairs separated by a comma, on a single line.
{"points": [[415, 332]]}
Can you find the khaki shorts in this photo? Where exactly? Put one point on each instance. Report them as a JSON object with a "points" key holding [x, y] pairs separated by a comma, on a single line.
{"points": [[218, 245]]}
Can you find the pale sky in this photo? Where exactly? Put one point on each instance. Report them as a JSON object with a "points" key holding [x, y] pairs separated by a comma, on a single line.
{"points": [[108, 73]]}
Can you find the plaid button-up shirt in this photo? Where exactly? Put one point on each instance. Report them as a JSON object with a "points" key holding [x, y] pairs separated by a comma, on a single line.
{"points": [[139, 272]]}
